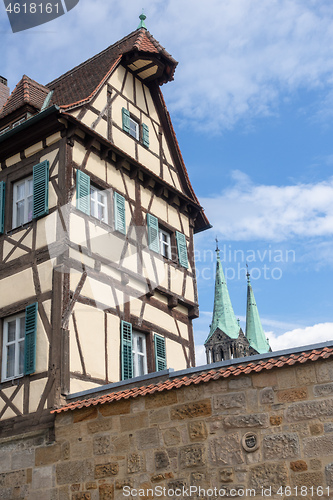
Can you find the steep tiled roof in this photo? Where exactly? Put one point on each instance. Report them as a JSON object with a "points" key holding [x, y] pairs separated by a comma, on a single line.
{"points": [[27, 91], [82, 82], [268, 363]]}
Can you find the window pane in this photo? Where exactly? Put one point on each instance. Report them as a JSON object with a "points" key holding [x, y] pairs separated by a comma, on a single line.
{"points": [[20, 213], [140, 366], [30, 187], [11, 330], [21, 357], [10, 361], [30, 208], [20, 194], [22, 328], [140, 344]]}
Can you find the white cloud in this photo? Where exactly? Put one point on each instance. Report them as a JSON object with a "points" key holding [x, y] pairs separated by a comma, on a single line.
{"points": [[238, 59], [315, 334], [275, 213], [298, 337]]}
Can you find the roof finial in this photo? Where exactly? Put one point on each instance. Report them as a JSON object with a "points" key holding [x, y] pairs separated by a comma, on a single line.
{"points": [[142, 18], [238, 321], [248, 274], [217, 245]]}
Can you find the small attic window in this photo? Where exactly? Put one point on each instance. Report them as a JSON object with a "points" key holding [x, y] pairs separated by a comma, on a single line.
{"points": [[18, 122]]}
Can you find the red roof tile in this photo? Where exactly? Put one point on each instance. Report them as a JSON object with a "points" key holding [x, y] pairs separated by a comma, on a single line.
{"points": [[203, 377], [82, 82], [27, 91]]}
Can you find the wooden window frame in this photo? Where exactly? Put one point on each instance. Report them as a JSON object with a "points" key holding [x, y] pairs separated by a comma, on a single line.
{"points": [[136, 334], [16, 342], [26, 218]]}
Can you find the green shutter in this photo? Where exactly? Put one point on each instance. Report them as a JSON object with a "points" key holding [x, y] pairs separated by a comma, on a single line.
{"points": [[126, 120], [119, 213], [182, 249], [30, 338], [2, 206], [126, 351], [145, 135], [153, 236], [83, 192], [160, 354], [41, 189]]}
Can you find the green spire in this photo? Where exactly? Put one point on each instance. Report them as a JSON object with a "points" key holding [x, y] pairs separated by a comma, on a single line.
{"points": [[223, 313], [142, 18], [254, 331]]}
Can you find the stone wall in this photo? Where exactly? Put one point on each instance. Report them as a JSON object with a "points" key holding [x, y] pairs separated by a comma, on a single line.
{"points": [[264, 430]]}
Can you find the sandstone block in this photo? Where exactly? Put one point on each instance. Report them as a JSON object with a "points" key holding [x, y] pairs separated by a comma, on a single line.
{"points": [[268, 475], [43, 477], [171, 436], [115, 408], [298, 466], [226, 401], [288, 395], [125, 482], [315, 464], [310, 409], [309, 479], [286, 378], [316, 429], [275, 420], [177, 484], [47, 455], [82, 495], [106, 492], [133, 422], [102, 445], [135, 463], [74, 472], [306, 374], [280, 446], [99, 426], [191, 456], [226, 450], [318, 446], [161, 460], [191, 410], [240, 383], [161, 399], [324, 371], [227, 475], [85, 414], [157, 478], [323, 390], [266, 396], [147, 438], [13, 479], [106, 470], [265, 379], [197, 430], [329, 474], [91, 485], [191, 393], [159, 415], [252, 420], [65, 450], [22, 459]]}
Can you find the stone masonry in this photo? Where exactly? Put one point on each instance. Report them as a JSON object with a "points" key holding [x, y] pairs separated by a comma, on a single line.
{"points": [[261, 431]]}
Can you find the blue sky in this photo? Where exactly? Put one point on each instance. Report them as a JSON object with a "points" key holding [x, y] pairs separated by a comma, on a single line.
{"points": [[252, 105]]}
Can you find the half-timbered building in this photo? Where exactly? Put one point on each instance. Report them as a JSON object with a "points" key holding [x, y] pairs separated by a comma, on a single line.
{"points": [[97, 216]]}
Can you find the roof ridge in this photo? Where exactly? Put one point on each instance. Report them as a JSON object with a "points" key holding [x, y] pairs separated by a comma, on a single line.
{"points": [[84, 63]]}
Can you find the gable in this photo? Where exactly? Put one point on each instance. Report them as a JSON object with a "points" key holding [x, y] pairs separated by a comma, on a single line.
{"points": [[104, 115]]}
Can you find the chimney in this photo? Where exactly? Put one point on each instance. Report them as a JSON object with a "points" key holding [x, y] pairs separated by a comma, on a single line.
{"points": [[4, 91]]}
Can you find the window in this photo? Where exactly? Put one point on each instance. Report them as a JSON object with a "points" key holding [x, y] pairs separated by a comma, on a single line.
{"points": [[13, 347], [19, 343], [22, 201], [139, 354], [133, 128], [98, 204], [165, 243]]}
